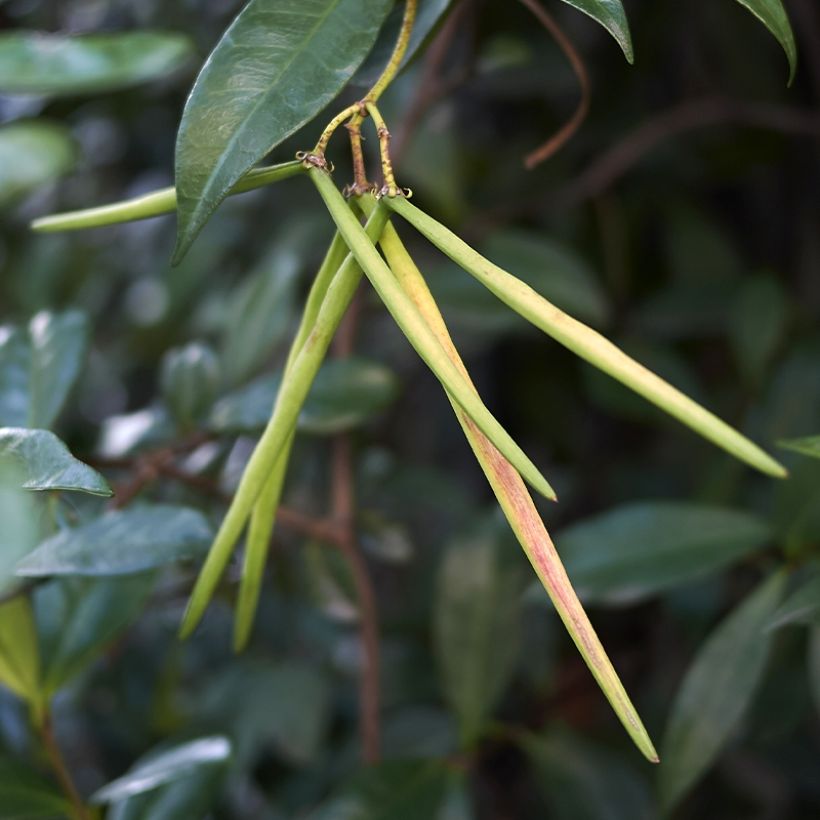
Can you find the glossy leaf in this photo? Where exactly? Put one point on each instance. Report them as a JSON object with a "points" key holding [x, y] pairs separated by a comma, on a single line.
{"points": [[275, 68], [32, 154], [807, 446], [38, 63], [345, 395], [773, 15], [581, 781], [476, 629], [24, 795], [518, 508], [586, 342], [122, 542], [802, 606], [19, 651], [38, 367], [189, 379], [611, 15], [634, 551], [77, 618], [165, 766], [717, 690], [45, 463], [410, 790]]}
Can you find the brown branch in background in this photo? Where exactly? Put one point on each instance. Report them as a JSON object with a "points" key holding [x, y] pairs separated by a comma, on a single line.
{"points": [[560, 138], [687, 116], [55, 758], [343, 505]]}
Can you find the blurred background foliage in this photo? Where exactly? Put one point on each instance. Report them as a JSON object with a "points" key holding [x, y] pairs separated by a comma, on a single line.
{"points": [[682, 220]]}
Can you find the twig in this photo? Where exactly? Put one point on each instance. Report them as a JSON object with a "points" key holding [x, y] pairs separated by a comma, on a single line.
{"points": [[559, 139], [687, 116], [57, 762]]}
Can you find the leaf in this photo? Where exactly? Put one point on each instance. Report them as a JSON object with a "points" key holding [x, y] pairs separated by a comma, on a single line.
{"points": [[284, 704], [19, 651], [276, 67], [26, 796], [580, 781], [32, 154], [585, 342], [122, 542], [757, 323], [802, 606], [38, 367], [20, 514], [45, 463], [772, 14], [717, 690], [633, 551], [189, 378], [807, 446], [611, 15], [37, 63], [345, 394], [476, 630], [165, 766], [76, 618], [410, 790], [814, 666], [194, 796]]}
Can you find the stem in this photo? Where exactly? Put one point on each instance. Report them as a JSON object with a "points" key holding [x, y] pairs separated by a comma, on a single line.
{"points": [[390, 188], [55, 758]]}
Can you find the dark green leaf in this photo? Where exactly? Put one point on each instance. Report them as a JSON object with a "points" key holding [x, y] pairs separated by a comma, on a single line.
{"points": [[189, 379], [756, 324], [122, 542], [410, 790], [283, 704], [632, 552], [19, 652], [26, 796], [275, 68], [191, 797], [801, 607], [772, 14], [38, 366], [717, 690], [45, 463], [32, 154], [76, 618], [345, 394], [611, 15], [807, 446], [34, 63], [476, 630], [580, 781], [165, 766]]}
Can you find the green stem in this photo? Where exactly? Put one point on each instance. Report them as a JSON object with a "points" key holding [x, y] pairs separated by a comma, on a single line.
{"points": [[585, 342], [263, 517], [163, 201], [292, 394], [418, 334]]}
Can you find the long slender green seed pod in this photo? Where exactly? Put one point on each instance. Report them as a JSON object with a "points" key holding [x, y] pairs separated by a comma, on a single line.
{"points": [[520, 511], [263, 517], [586, 342], [292, 394], [419, 335], [156, 203]]}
